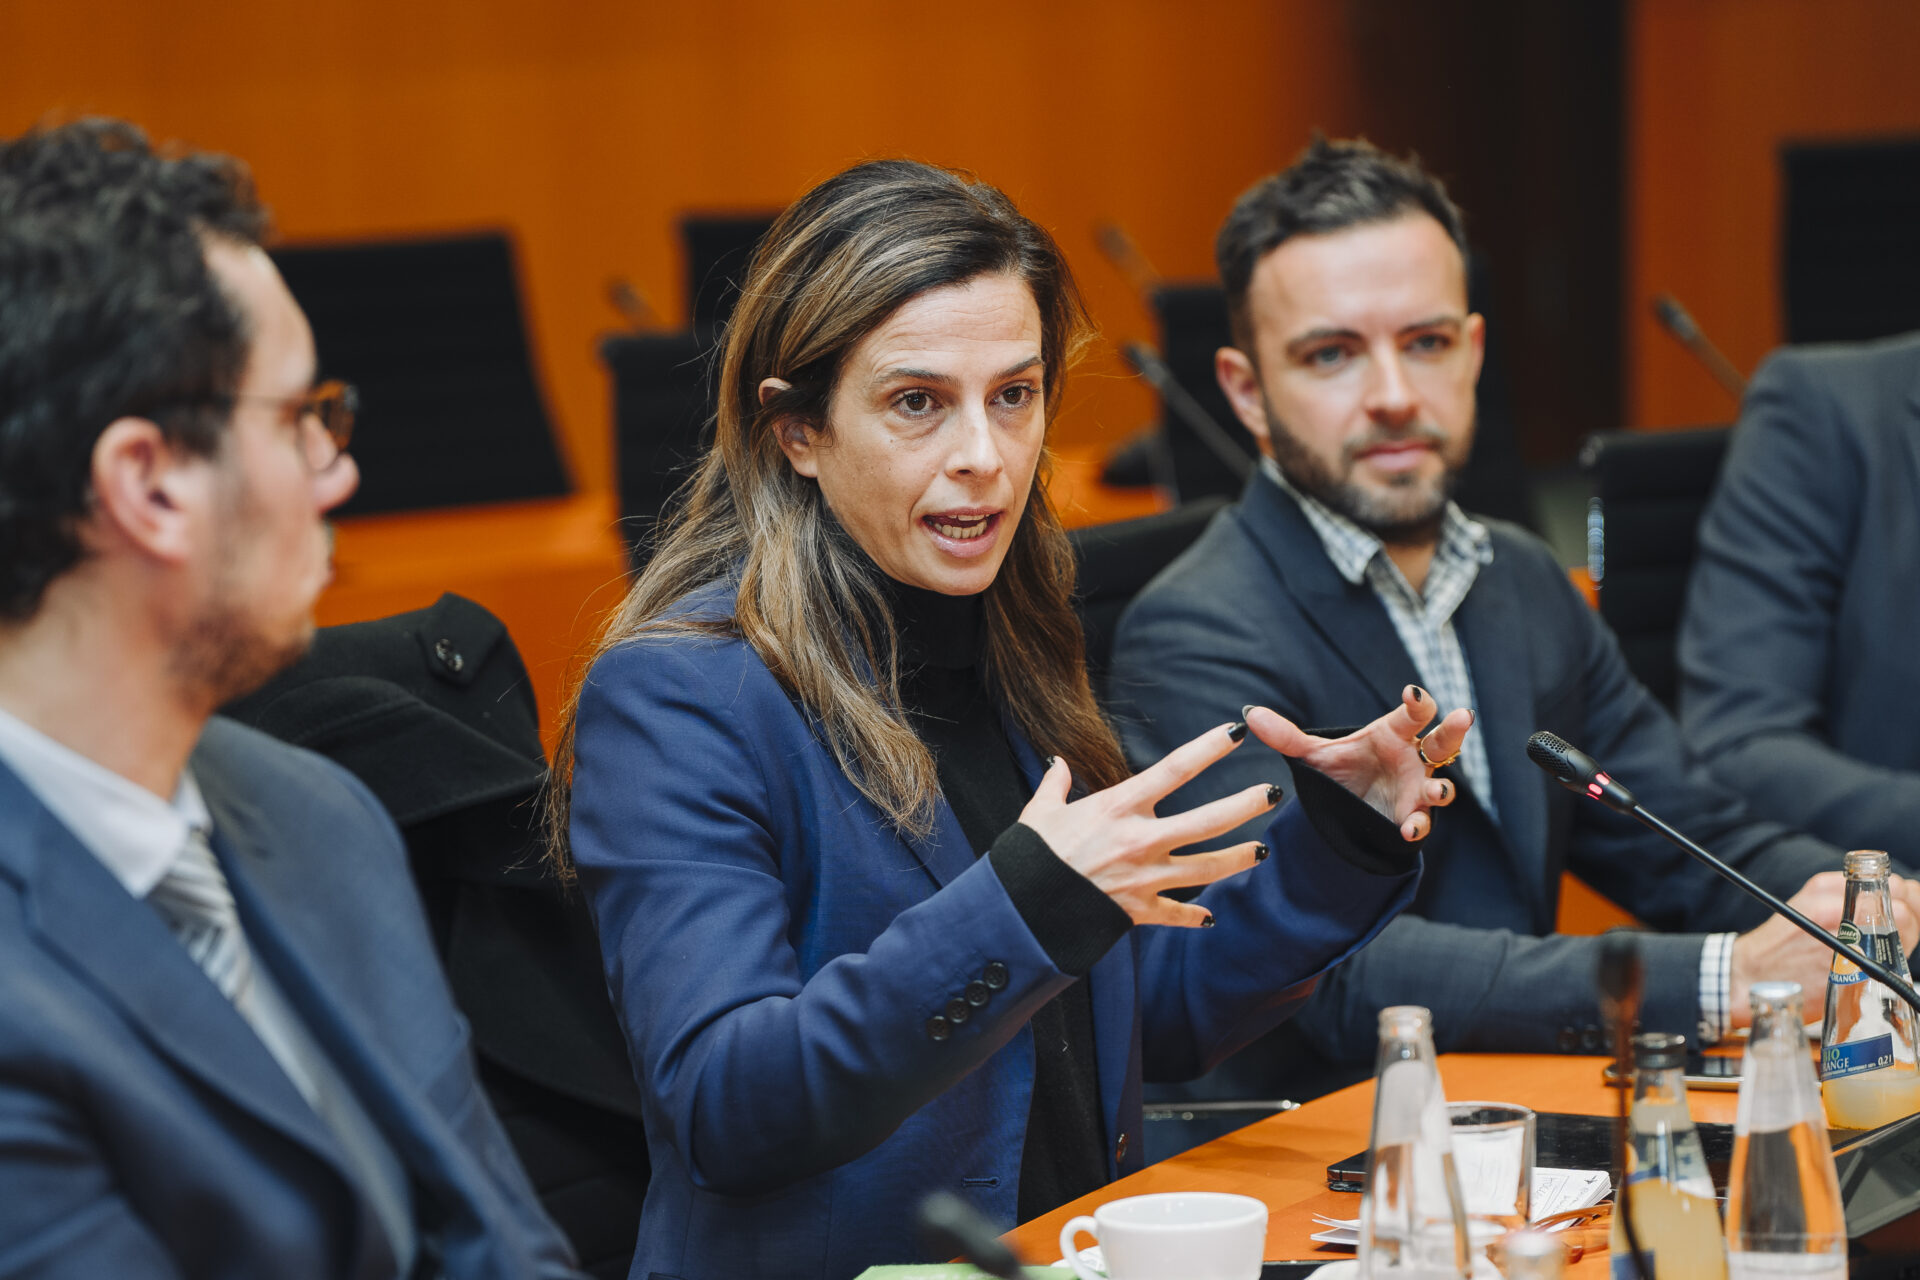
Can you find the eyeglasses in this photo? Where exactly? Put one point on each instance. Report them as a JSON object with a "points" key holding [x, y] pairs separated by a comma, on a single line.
{"points": [[331, 406]]}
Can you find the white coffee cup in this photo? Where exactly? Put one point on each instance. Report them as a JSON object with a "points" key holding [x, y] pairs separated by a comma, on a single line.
{"points": [[1177, 1235]]}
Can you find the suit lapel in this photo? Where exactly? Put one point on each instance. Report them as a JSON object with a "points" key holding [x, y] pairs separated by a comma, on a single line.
{"points": [[1492, 627], [1348, 616], [119, 945]]}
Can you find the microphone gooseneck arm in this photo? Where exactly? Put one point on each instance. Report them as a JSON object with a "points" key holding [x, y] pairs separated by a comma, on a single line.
{"points": [[1149, 365], [1577, 772]]}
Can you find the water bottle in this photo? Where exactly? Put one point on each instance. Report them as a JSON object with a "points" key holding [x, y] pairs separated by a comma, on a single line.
{"points": [[1676, 1217], [1783, 1206], [1868, 1064], [1413, 1219], [1535, 1255]]}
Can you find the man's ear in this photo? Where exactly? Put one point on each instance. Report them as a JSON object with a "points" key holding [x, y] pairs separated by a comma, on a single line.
{"points": [[1477, 341], [797, 439], [145, 491], [1240, 381]]}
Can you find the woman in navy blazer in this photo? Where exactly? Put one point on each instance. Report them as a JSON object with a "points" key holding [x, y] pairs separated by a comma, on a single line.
{"points": [[864, 942]]}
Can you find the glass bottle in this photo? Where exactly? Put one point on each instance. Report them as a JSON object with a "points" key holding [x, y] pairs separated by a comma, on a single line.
{"points": [[1413, 1219], [1869, 1068], [1535, 1255], [1783, 1205], [1676, 1217]]}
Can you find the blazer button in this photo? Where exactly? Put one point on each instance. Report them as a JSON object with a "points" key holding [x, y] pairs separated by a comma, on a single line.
{"points": [[977, 993], [1590, 1039], [958, 1011], [1567, 1041], [1120, 1149], [938, 1028], [995, 976]]}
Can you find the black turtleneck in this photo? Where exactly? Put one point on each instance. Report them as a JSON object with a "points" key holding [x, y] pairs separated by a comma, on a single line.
{"points": [[947, 702]]}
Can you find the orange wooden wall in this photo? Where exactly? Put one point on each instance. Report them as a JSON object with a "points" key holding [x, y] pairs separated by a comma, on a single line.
{"points": [[587, 126], [1713, 88]]}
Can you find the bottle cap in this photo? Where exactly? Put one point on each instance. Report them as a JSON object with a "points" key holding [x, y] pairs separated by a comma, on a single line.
{"points": [[1405, 1019], [1867, 864], [1659, 1051]]}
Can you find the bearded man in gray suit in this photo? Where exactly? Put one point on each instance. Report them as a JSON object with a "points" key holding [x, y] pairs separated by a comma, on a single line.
{"points": [[1345, 571]]}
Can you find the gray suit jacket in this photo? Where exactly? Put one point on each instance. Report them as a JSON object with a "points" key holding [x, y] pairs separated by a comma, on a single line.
{"points": [[1255, 612], [145, 1130], [1798, 679]]}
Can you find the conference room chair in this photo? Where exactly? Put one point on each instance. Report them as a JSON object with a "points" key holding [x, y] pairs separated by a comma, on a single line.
{"points": [[1115, 560], [1649, 490], [433, 711]]}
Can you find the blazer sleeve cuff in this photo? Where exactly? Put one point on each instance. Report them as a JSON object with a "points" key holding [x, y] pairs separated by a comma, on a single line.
{"points": [[1363, 837], [1068, 915]]}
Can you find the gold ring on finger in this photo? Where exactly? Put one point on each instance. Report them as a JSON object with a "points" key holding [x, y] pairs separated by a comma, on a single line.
{"points": [[1420, 745]]}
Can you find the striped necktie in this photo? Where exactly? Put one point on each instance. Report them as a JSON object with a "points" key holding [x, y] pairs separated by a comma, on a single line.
{"points": [[194, 900]]}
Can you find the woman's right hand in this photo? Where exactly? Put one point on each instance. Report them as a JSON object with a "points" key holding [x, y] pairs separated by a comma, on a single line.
{"points": [[1113, 838]]}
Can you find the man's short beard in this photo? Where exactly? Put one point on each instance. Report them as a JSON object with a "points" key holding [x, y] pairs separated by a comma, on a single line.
{"points": [[1396, 524], [223, 656]]}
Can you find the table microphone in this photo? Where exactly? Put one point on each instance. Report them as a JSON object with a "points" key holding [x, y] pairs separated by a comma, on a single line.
{"points": [[1148, 363], [1620, 990], [955, 1228], [1577, 771]]}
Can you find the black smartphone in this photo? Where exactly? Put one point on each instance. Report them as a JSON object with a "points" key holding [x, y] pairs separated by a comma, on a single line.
{"points": [[1703, 1071], [1293, 1270], [1566, 1141]]}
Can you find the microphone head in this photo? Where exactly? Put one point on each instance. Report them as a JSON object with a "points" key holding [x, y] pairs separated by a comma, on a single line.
{"points": [[1620, 973], [1551, 752], [1674, 317], [952, 1227], [1575, 770]]}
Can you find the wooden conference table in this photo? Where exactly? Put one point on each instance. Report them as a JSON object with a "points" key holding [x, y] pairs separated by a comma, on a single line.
{"points": [[1283, 1159]]}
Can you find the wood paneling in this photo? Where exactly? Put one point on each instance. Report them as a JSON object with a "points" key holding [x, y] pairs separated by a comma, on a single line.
{"points": [[587, 127], [1714, 87]]}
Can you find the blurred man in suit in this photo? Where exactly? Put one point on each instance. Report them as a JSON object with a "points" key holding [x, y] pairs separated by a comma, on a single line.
{"points": [[1796, 657], [226, 1049], [1346, 571]]}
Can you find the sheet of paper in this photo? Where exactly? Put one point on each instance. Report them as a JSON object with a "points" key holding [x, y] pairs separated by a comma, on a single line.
{"points": [[1554, 1191]]}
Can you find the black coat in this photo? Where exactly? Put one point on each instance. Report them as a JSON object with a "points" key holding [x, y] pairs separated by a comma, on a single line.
{"points": [[434, 712]]}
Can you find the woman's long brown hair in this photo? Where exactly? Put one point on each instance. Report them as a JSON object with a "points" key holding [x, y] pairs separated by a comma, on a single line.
{"points": [[835, 265]]}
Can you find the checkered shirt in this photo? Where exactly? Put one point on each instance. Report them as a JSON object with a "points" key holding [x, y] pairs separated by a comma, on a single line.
{"points": [[1424, 621]]}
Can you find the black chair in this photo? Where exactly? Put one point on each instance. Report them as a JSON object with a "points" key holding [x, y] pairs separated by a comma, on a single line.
{"points": [[432, 333], [434, 712], [662, 408], [1643, 522], [1116, 560]]}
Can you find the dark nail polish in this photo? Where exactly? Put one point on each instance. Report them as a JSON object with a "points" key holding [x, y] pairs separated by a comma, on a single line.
{"points": [[1237, 730], [1245, 709], [1207, 923], [1274, 793], [1260, 853], [1052, 761], [1417, 695]]}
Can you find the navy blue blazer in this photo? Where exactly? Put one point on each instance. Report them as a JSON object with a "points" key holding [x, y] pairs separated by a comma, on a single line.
{"points": [[776, 951], [1798, 683], [1255, 612], [145, 1130]]}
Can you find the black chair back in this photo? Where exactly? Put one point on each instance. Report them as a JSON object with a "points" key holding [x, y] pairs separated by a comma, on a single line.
{"points": [[1643, 521], [1116, 560], [662, 407], [432, 333]]}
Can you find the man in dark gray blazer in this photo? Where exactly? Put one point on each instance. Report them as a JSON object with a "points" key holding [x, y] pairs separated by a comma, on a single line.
{"points": [[1796, 653], [1345, 572], [227, 1049]]}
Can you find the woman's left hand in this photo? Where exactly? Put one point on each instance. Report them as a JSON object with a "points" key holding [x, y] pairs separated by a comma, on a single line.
{"points": [[1382, 763]]}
